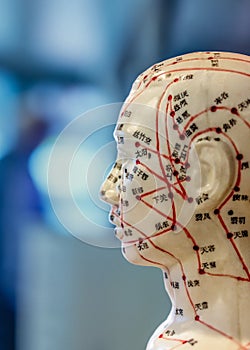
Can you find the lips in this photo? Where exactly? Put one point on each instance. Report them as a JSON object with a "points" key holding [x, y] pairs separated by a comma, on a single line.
{"points": [[119, 233], [114, 216]]}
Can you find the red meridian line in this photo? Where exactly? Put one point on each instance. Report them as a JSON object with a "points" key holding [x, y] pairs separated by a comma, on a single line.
{"points": [[218, 108], [153, 191], [170, 160], [237, 115], [160, 177], [160, 249], [184, 229], [151, 236], [181, 181], [235, 59], [153, 172], [157, 127], [182, 190], [155, 152], [166, 132], [121, 208], [200, 133], [188, 294], [229, 276], [182, 270], [228, 197], [151, 261], [187, 69], [213, 129], [222, 333], [207, 58], [194, 244], [157, 210], [173, 339], [188, 234], [173, 211], [245, 268], [179, 224], [194, 117], [178, 260], [142, 233], [129, 102]]}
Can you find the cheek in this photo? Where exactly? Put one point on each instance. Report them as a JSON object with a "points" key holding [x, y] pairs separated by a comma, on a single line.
{"points": [[144, 204], [132, 255], [136, 184]]}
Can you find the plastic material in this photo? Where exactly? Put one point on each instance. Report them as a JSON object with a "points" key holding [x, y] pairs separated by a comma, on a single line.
{"points": [[180, 194]]}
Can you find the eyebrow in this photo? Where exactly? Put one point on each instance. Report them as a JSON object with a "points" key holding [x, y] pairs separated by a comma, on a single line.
{"points": [[120, 131]]}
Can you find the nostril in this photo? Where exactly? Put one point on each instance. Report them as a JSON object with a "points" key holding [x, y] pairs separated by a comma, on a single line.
{"points": [[110, 196], [111, 217]]}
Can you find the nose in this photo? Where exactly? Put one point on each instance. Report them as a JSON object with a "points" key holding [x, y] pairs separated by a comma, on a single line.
{"points": [[109, 191]]}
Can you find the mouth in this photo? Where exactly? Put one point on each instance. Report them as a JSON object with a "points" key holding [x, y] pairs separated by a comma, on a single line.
{"points": [[114, 218]]}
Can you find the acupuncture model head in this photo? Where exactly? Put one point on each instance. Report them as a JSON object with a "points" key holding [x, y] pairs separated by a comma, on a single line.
{"points": [[180, 194]]}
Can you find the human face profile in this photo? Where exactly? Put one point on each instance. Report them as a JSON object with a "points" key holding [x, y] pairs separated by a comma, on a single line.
{"points": [[149, 186]]}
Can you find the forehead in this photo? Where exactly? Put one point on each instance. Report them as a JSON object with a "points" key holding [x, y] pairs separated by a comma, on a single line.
{"points": [[137, 117]]}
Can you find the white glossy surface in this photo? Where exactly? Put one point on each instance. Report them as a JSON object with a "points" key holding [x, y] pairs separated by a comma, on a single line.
{"points": [[180, 194]]}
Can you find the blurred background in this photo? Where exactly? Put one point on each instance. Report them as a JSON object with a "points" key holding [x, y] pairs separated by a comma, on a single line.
{"points": [[59, 59]]}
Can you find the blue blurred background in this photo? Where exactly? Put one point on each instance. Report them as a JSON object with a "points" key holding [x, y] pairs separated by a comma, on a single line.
{"points": [[59, 59]]}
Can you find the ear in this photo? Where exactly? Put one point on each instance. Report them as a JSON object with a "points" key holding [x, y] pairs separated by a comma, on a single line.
{"points": [[218, 169]]}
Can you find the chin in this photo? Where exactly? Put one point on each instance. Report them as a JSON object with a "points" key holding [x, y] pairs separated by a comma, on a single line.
{"points": [[132, 255]]}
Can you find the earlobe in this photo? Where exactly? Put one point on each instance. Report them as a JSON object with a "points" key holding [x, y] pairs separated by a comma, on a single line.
{"points": [[218, 169]]}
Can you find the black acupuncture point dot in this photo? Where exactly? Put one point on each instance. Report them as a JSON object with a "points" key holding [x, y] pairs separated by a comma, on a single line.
{"points": [[175, 127], [216, 211], [196, 248], [239, 156], [229, 235], [236, 189], [171, 195], [218, 130], [230, 212]]}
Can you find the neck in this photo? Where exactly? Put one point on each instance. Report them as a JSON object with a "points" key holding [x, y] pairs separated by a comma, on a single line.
{"points": [[210, 304]]}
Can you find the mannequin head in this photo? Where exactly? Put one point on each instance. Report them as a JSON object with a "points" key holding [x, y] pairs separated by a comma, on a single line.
{"points": [[181, 180]]}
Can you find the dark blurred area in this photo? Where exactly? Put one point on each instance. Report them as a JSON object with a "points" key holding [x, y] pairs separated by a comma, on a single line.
{"points": [[59, 59]]}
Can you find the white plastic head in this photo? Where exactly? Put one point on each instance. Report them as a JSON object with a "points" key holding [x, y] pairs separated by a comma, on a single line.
{"points": [[180, 193]]}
